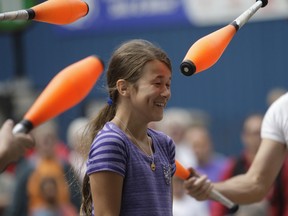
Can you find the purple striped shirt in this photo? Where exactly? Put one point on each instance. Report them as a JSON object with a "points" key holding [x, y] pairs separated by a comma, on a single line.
{"points": [[145, 192]]}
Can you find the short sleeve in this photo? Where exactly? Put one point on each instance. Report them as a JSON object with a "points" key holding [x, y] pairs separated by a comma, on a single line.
{"points": [[275, 122], [107, 153]]}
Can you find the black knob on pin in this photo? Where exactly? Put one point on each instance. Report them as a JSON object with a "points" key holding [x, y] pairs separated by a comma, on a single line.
{"points": [[23, 126], [188, 68], [233, 209], [264, 2]]}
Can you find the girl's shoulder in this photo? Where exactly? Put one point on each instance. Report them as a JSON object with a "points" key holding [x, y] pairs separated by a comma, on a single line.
{"points": [[160, 136], [158, 133], [110, 129], [109, 134]]}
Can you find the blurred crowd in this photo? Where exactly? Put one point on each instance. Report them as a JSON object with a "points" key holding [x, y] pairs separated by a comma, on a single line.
{"points": [[47, 181]]}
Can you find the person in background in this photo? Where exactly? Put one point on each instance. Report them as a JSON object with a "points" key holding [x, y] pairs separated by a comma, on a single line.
{"points": [[44, 163], [74, 135], [251, 140], [209, 162], [174, 123], [49, 190]]}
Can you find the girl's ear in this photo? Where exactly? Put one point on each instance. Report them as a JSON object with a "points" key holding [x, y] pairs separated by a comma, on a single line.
{"points": [[123, 87]]}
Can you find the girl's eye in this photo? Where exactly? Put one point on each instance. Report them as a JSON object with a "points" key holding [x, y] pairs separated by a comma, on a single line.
{"points": [[157, 83]]}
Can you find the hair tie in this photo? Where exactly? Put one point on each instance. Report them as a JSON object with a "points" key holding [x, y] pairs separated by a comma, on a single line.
{"points": [[109, 101]]}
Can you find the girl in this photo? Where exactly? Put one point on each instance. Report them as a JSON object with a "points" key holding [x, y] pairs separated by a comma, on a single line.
{"points": [[129, 166]]}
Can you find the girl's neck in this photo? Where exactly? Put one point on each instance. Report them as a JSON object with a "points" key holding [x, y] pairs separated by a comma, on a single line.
{"points": [[144, 144], [136, 129]]}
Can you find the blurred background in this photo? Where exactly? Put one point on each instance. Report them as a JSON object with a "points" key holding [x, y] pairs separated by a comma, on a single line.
{"points": [[254, 63]]}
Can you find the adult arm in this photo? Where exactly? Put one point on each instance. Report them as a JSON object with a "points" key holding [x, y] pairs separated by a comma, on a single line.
{"points": [[255, 184]]}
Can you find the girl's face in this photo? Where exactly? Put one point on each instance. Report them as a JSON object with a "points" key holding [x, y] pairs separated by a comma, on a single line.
{"points": [[153, 91]]}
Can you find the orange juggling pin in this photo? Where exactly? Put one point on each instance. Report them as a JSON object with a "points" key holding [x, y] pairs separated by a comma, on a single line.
{"points": [[64, 91], [207, 50], [182, 172], [59, 12]]}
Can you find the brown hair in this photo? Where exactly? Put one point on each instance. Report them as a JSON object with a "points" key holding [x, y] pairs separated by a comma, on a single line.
{"points": [[126, 63]]}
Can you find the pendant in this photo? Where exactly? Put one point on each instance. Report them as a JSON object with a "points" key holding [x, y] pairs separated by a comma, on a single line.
{"points": [[153, 166]]}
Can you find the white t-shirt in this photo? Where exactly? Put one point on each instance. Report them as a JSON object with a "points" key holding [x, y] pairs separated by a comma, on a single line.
{"points": [[188, 206], [275, 122]]}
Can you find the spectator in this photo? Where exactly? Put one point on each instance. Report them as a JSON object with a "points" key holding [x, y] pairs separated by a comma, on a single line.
{"points": [[251, 140], [43, 163], [174, 123], [209, 162], [49, 193], [74, 134]]}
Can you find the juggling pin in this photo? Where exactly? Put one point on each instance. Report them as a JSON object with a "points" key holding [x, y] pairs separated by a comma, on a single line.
{"points": [[185, 174], [206, 51], [59, 12], [64, 91]]}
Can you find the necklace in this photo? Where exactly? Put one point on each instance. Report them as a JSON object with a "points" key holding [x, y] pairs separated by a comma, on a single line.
{"points": [[126, 129]]}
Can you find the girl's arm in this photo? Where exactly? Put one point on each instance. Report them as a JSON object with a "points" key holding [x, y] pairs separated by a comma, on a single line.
{"points": [[106, 189]]}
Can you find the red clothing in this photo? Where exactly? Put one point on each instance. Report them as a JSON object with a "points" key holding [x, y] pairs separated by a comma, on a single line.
{"points": [[277, 197]]}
